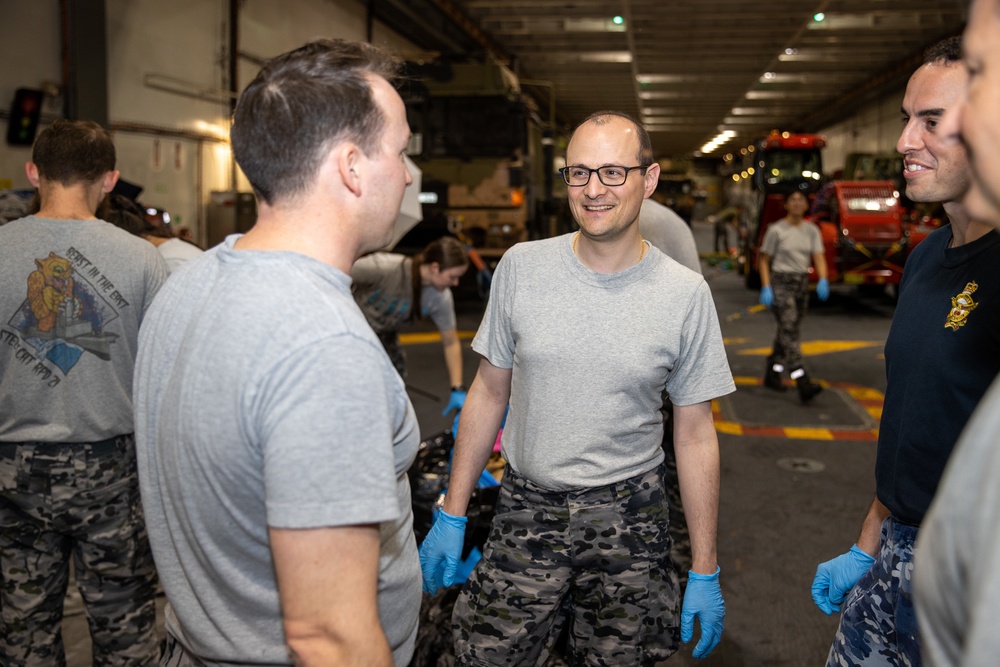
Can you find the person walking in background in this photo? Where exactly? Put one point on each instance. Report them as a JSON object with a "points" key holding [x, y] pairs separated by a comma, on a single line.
{"points": [[73, 292], [394, 290], [790, 245], [274, 434], [942, 352], [722, 222], [582, 334]]}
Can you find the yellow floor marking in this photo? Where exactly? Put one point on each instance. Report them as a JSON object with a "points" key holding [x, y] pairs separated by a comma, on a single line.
{"points": [[865, 394], [808, 433], [421, 337], [730, 428], [816, 347]]}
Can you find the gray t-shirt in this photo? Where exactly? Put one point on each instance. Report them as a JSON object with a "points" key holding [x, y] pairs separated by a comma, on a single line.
{"points": [[668, 232], [263, 398], [956, 576], [176, 252], [591, 354], [72, 296], [383, 287], [791, 247]]}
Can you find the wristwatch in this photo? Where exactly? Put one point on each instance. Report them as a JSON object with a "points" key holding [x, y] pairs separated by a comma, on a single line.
{"points": [[439, 503], [458, 387]]}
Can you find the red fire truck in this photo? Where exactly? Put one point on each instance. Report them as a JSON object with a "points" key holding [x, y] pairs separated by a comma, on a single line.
{"points": [[863, 234]]}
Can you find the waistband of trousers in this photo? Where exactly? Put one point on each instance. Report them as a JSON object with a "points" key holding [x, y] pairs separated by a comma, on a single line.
{"points": [[110, 446], [625, 488]]}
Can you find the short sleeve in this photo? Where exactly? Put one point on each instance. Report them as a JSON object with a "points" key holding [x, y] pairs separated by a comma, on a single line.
{"points": [[495, 339], [327, 438]]}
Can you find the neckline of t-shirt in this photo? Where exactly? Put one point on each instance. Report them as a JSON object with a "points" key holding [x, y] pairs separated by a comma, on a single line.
{"points": [[956, 256], [604, 280]]}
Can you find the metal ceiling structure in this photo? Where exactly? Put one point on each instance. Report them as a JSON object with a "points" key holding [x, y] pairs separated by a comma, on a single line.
{"points": [[691, 69]]}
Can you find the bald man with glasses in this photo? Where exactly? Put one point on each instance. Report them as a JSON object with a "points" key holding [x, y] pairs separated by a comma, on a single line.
{"points": [[582, 334]]}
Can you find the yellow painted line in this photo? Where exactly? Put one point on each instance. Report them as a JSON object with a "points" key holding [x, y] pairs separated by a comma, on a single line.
{"points": [[869, 399], [816, 347], [864, 394], [734, 341], [808, 433], [421, 337], [729, 428]]}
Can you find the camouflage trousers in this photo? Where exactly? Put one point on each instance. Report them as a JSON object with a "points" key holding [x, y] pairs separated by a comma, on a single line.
{"points": [[79, 501], [595, 563], [878, 626], [791, 297]]}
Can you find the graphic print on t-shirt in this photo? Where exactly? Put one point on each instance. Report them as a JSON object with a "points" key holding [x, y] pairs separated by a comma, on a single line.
{"points": [[65, 311]]}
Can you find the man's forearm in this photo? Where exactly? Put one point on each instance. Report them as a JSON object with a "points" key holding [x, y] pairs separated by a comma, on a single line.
{"points": [[477, 431], [871, 528], [696, 448]]}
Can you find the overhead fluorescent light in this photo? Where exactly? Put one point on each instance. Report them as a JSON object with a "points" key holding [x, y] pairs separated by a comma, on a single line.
{"points": [[752, 111], [768, 94], [775, 77], [585, 56], [594, 25], [664, 78], [870, 20], [663, 95]]}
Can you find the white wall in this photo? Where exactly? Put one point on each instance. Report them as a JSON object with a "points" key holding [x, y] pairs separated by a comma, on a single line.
{"points": [[873, 129]]}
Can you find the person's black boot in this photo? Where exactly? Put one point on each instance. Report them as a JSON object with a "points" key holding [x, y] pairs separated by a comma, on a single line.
{"points": [[807, 388], [772, 377]]}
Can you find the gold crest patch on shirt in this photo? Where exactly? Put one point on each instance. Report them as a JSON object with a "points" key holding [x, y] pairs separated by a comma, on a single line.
{"points": [[961, 306]]}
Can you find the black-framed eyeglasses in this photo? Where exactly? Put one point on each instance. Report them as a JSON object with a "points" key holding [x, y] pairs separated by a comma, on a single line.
{"points": [[611, 175]]}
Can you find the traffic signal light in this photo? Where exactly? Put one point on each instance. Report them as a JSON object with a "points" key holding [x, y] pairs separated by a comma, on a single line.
{"points": [[24, 114]]}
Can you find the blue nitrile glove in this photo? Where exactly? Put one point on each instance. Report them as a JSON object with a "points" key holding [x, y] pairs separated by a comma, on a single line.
{"points": [[703, 599], [823, 289], [441, 551], [455, 402], [835, 578], [766, 295]]}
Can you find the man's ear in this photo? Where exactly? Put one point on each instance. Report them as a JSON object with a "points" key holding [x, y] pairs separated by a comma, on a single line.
{"points": [[31, 169], [349, 159], [109, 181], [652, 178]]}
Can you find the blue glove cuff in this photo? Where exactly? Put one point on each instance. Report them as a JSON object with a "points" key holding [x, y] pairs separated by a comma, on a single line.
{"points": [[695, 576], [453, 521], [861, 556]]}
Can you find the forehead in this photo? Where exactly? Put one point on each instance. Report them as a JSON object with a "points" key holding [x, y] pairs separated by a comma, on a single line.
{"points": [[935, 86], [979, 40], [613, 141], [390, 102]]}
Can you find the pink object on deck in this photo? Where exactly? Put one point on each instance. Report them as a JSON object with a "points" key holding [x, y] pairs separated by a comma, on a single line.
{"points": [[496, 445]]}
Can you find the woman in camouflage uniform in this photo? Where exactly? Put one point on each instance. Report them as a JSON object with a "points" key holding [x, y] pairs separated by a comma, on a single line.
{"points": [[789, 246]]}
